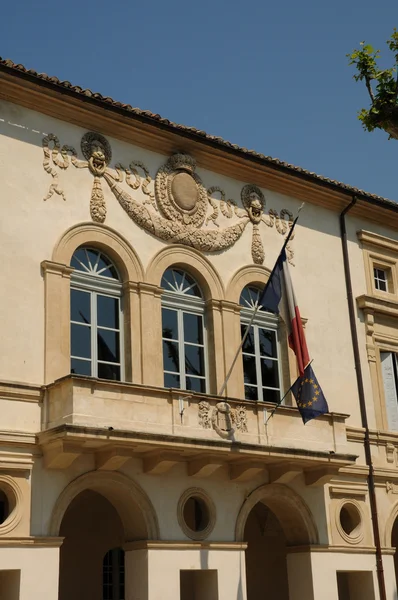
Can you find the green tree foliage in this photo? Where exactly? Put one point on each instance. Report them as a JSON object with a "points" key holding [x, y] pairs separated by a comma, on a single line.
{"points": [[382, 86]]}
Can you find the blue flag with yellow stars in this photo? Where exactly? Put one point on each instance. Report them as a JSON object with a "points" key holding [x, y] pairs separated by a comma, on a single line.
{"points": [[309, 396]]}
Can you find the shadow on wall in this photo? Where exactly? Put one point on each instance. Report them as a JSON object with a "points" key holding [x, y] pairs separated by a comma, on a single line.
{"points": [[21, 124]]}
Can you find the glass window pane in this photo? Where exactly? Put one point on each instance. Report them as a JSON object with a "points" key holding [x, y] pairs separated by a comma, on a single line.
{"points": [[178, 278], [249, 297], [171, 360], [251, 392], [109, 371], [181, 282], [169, 324], [171, 381], [104, 267], [92, 256], [193, 328], [109, 272], [80, 367], [167, 280], [196, 385], [271, 395], [249, 369], [81, 341], [80, 306], [79, 258], [194, 360], [267, 340], [108, 345], [269, 373], [108, 311], [192, 289], [248, 346]]}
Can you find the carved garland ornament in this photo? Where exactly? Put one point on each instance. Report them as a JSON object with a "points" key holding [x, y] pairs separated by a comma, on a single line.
{"points": [[180, 209], [222, 418]]}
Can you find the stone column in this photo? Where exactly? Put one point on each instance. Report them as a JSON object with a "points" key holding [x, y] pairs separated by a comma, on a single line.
{"points": [[299, 570], [215, 345], [313, 573], [57, 320], [29, 572], [132, 332], [168, 570], [136, 574], [232, 339], [151, 334]]}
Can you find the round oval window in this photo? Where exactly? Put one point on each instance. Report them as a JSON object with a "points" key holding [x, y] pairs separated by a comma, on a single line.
{"points": [[4, 507], [196, 514], [350, 519]]}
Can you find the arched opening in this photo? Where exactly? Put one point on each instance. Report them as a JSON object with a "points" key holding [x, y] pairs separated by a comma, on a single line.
{"points": [[394, 544], [92, 528], [266, 558], [97, 514], [271, 520]]}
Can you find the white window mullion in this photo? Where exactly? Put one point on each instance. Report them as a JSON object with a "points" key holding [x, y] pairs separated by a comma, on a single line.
{"points": [[278, 355], [388, 369], [94, 349], [181, 348], [205, 355], [121, 339], [258, 362]]}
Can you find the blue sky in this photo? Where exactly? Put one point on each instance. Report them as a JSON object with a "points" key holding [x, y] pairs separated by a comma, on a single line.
{"points": [[270, 76]]}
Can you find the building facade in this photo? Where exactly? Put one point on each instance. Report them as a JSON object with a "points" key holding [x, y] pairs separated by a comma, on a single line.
{"points": [[134, 251]]}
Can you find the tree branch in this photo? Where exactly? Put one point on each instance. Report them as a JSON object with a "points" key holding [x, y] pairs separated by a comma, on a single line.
{"points": [[369, 88], [396, 85]]}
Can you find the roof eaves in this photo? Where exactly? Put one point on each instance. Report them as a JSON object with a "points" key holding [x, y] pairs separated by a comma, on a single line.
{"points": [[148, 117]]}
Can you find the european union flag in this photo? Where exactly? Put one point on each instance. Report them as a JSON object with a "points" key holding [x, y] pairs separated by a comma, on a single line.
{"points": [[309, 397]]}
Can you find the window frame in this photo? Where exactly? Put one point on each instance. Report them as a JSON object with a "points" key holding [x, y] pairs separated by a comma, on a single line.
{"points": [[185, 303], [99, 286], [391, 413], [271, 322], [377, 280], [114, 574]]}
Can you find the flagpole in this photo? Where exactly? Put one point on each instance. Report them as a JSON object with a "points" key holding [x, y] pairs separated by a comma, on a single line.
{"points": [[224, 385]]}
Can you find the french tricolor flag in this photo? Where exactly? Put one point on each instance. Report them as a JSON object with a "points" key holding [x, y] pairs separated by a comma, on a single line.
{"points": [[278, 297]]}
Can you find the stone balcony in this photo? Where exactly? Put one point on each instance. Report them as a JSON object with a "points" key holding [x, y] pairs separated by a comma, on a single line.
{"points": [[117, 421]]}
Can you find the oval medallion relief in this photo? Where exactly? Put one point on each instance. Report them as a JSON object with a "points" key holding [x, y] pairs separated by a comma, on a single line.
{"points": [[185, 191]]}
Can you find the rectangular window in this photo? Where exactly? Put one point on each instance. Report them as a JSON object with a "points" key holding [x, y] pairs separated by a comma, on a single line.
{"points": [[183, 350], [199, 584], [355, 585], [261, 364], [380, 279], [95, 335], [389, 369]]}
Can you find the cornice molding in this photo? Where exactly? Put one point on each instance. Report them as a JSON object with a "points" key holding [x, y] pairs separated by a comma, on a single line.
{"points": [[23, 392], [20, 542], [183, 545], [376, 240], [339, 549], [379, 305]]}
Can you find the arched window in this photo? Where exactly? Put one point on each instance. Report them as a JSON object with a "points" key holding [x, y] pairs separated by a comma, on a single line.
{"points": [[113, 575], [96, 316], [260, 352], [183, 332]]}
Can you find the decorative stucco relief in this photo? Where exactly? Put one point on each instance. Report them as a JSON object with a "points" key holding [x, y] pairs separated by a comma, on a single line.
{"points": [[392, 488], [222, 418], [175, 207]]}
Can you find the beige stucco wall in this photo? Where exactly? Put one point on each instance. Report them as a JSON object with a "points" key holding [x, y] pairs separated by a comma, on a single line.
{"points": [[38, 571], [29, 231], [31, 227]]}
